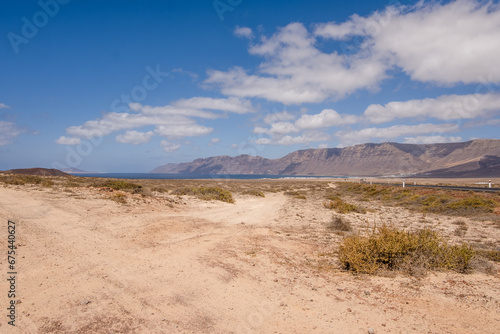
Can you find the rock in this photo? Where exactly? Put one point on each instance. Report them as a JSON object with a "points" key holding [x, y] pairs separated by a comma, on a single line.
{"points": [[85, 302], [371, 331]]}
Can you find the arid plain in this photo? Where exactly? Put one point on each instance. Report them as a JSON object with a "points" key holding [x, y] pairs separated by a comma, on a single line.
{"points": [[157, 259]]}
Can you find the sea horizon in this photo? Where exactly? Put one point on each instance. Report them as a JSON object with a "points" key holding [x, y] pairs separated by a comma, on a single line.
{"points": [[166, 176]]}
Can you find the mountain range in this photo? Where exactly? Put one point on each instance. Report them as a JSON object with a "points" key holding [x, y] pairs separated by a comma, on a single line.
{"points": [[476, 158]]}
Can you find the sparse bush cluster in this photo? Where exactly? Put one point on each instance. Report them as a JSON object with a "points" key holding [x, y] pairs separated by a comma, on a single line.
{"points": [[118, 184], [339, 205], [210, 193], [20, 179], [426, 200], [253, 192], [389, 248]]}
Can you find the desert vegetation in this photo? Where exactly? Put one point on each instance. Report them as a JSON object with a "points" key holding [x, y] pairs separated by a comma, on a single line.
{"points": [[391, 248]]}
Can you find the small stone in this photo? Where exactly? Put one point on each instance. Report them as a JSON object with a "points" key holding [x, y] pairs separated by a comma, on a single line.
{"points": [[349, 310], [85, 302], [367, 293], [371, 331]]}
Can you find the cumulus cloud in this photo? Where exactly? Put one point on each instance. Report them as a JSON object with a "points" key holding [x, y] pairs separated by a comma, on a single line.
{"points": [[169, 147], [305, 138], [231, 104], [4, 106], [187, 130], [431, 140], [63, 140], [135, 137], [324, 119], [296, 71], [447, 43], [215, 140], [447, 107], [278, 116], [278, 128], [175, 120], [243, 32], [8, 131], [367, 134]]}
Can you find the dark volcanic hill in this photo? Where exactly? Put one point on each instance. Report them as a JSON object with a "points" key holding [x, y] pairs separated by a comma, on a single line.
{"points": [[37, 171], [477, 158]]}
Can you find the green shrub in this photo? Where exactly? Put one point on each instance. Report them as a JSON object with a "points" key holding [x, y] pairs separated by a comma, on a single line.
{"points": [[390, 248]]}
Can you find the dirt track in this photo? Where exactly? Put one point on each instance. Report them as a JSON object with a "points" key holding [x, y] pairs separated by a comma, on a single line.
{"points": [[262, 265]]}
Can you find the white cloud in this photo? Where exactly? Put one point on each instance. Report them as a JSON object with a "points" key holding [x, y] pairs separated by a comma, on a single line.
{"points": [[431, 140], [447, 107], [455, 42], [365, 135], [8, 131], [172, 121], [305, 138], [278, 128], [278, 116], [324, 119], [68, 140], [4, 106], [215, 140], [135, 137], [187, 130], [169, 147], [323, 146], [243, 32], [263, 141], [296, 71], [231, 104]]}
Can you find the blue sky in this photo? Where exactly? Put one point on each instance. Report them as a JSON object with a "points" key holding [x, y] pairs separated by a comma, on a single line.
{"points": [[126, 86]]}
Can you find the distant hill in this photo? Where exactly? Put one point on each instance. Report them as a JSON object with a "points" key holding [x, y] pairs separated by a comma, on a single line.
{"points": [[37, 171], [476, 158]]}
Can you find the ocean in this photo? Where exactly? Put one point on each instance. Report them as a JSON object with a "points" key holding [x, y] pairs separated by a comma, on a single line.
{"points": [[198, 176]]}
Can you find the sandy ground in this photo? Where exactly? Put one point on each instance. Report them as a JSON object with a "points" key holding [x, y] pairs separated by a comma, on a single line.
{"points": [[87, 264]]}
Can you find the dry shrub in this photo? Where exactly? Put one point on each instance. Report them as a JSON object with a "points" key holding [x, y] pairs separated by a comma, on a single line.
{"points": [[21, 180], [339, 224], [339, 205], [390, 248], [253, 192], [118, 184], [210, 193], [120, 198]]}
